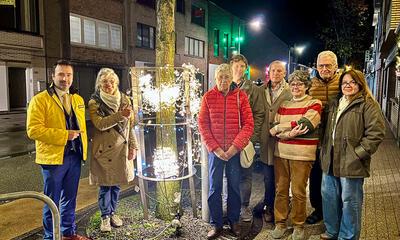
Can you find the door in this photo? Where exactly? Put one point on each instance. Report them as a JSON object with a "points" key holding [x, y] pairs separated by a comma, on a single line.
{"points": [[17, 87]]}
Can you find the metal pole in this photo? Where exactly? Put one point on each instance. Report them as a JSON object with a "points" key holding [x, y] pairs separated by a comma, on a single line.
{"points": [[288, 68], [40, 196], [205, 214], [239, 39]]}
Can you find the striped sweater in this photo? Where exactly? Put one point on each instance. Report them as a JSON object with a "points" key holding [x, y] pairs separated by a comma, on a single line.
{"points": [[305, 111]]}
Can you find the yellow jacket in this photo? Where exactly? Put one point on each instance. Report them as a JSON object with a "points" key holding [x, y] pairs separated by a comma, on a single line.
{"points": [[47, 126]]}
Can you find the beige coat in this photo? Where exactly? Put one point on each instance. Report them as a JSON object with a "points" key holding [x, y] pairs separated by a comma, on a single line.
{"points": [[267, 143], [109, 163]]}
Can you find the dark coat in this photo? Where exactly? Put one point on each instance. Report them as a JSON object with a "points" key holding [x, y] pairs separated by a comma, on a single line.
{"points": [[359, 131]]}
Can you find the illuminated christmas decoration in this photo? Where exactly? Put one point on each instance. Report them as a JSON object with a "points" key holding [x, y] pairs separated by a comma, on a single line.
{"points": [[165, 163]]}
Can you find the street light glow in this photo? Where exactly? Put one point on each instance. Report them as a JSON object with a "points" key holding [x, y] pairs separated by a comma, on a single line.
{"points": [[256, 24], [299, 49]]}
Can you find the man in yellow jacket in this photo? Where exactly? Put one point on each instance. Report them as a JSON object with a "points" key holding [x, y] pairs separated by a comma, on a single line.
{"points": [[56, 121]]}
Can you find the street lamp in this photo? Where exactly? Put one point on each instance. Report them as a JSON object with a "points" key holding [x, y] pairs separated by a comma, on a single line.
{"points": [[254, 24], [298, 50]]}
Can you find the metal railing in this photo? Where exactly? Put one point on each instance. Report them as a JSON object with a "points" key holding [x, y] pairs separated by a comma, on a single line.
{"points": [[40, 196]]}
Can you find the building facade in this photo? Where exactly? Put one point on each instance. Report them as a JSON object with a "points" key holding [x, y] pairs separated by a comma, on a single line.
{"points": [[383, 63], [22, 53]]}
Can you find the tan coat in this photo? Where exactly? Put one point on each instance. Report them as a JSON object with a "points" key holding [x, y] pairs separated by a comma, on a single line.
{"points": [[109, 163], [267, 143]]}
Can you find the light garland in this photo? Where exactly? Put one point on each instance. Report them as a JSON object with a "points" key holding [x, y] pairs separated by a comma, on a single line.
{"points": [[165, 163]]}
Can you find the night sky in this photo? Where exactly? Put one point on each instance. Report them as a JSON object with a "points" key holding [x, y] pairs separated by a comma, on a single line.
{"points": [[293, 21]]}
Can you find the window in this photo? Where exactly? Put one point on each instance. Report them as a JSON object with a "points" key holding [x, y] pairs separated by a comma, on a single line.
{"points": [[103, 34], [89, 32], [75, 29], [145, 36], [149, 3], [180, 6], [216, 42], [95, 33], [20, 15], [116, 37], [194, 47], [198, 16], [226, 44]]}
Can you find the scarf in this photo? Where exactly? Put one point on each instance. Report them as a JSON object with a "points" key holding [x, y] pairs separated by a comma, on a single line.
{"points": [[105, 110], [111, 100]]}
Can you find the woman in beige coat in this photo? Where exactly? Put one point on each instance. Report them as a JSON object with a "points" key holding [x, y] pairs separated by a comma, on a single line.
{"points": [[114, 144]]}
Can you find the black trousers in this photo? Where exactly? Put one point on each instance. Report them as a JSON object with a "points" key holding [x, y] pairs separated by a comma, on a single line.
{"points": [[315, 185]]}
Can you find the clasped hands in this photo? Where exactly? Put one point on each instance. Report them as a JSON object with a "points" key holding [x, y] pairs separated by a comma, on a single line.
{"points": [[296, 131], [232, 151]]}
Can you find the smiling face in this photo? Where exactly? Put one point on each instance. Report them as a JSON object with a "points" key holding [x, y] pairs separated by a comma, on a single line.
{"points": [[108, 84], [349, 86], [63, 77], [297, 88]]}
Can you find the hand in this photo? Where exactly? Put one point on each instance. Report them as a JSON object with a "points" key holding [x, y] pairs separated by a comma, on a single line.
{"points": [[132, 154], [126, 111], [232, 151], [221, 154], [298, 130], [272, 131], [72, 134]]}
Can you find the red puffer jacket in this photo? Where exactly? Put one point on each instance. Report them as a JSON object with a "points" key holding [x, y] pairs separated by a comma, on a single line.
{"points": [[219, 120]]}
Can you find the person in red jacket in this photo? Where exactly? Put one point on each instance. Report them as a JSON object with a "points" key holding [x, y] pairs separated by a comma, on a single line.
{"points": [[220, 112]]}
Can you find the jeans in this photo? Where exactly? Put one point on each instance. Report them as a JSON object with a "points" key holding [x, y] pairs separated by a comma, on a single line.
{"points": [[61, 185], [342, 200], [246, 184], [232, 170], [293, 174], [269, 184], [108, 200], [315, 185]]}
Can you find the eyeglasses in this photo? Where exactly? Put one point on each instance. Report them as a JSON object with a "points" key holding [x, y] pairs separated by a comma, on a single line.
{"points": [[110, 81], [298, 84], [327, 66], [350, 84]]}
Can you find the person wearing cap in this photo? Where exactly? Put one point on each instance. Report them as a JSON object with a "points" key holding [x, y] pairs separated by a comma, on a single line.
{"points": [[296, 129]]}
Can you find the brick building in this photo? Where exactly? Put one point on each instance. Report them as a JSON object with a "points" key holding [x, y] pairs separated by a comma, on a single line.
{"points": [[22, 53]]}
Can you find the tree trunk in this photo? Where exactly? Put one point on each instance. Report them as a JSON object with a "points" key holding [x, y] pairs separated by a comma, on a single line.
{"points": [[166, 192]]}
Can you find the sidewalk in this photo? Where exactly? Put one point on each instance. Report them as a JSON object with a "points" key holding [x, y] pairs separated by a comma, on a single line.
{"points": [[381, 212], [13, 138]]}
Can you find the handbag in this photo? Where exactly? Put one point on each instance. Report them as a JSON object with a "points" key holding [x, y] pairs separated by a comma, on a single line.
{"points": [[248, 152]]}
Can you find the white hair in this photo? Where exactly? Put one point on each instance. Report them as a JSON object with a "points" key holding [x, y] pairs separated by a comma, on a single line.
{"points": [[105, 73], [330, 54]]}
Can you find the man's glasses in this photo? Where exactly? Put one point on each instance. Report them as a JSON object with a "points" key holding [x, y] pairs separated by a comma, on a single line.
{"points": [[350, 84], [327, 66], [298, 84]]}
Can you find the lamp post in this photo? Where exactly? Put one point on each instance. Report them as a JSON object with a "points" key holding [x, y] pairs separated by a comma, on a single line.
{"points": [[298, 50], [254, 24]]}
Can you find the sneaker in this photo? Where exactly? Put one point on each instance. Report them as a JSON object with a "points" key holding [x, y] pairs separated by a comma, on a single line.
{"points": [[105, 225], [214, 233], [246, 214], [298, 233], [116, 221], [268, 214], [278, 232], [326, 236]]}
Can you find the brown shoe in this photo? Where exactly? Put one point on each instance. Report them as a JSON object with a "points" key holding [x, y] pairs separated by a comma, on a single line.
{"points": [[235, 229], [214, 233], [325, 236], [76, 237]]}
